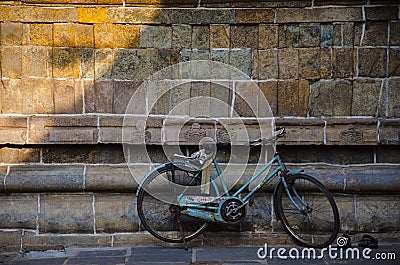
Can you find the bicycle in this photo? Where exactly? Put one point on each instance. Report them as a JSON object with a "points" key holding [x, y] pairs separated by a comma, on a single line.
{"points": [[302, 204]]}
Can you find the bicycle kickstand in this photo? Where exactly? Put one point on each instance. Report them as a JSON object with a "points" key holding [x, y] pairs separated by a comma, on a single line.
{"points": [[181, 231]]}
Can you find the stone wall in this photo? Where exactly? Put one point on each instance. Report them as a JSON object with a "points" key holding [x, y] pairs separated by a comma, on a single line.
{"points": [[329, 69]]}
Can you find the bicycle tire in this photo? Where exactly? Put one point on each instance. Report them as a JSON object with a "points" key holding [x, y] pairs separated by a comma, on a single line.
{"points": [[318, 225], [160, 217]]}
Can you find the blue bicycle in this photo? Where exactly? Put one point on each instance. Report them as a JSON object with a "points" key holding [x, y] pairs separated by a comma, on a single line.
{"points": [[171, 209]]}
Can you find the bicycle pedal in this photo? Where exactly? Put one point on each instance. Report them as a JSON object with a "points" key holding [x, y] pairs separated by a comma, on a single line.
{"points": [[251, 202]]}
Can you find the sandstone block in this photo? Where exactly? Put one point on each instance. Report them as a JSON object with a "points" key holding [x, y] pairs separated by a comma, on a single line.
{"points": [[66, 214], [36, 61], [394, 98], [288, 63], [11, 33], [219, 36], [84, 35], [348, 220], [394, 62], [326, 14], [352, 131], [86, 58], [244, 36], [92, 15], [181, 36], [200, 37], [394, 36], [267, 36], [375, 34], [44, 179], [254, 16], [13, 130], [372, 62], [39, 34], [155, 37], [241, 59], [123, 92], [112, 178], [368, 98], [325, 63], [309, 63], [65, 63], [381, 13], [11, 61], [18, 211], [389, 132], [68, 96], [116, 213], [330, 98], [102, 37], [104, 63], [377, 213], [39, 14], [67, 129], [42, 242], [300, 132], [12, 155], [10, 241], [343, 62], [267, 64], [64, 35], [293, 97], [125, 36]]}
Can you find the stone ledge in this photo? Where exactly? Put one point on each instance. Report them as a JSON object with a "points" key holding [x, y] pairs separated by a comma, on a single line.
{"points": [[117, 178]]}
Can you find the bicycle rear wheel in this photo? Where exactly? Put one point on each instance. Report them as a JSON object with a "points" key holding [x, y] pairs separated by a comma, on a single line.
{"points": [[162, 218], [317, 224]]}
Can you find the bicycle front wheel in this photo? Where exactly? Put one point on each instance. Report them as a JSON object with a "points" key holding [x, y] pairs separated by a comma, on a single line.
{"points": [[160, 216], [315, 222]]}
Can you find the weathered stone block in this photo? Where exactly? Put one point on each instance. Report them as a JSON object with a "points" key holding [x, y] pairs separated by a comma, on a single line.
{"points": [[13, 130], [199, 104], [41, 242], [352, 131], [123, 92], [155, 37], [181, 36], [375, 34], [88, 154], [267, 64], [66, 214], [86, 62], [270, 91], [254, 15], [330, 98], [381, 13], [84, 35], [64, 35], [44, 178], [102, 37], [92, 15], [348, 34], [348, 220], [394, 62], [65, 63], [125, 36], [259, 216], [394, 98], [221, 91], [10, 241], [293, 97], [309, 63], [244, 37], [343, 62], [377, 213], [3, 173], [241, 59], [104, 64], [113, 178], [200, 37], [267, 36], [39, 34], [11, 33], [368, 98], [372, 62], [302, 131], [389, 132], [394, 30], [39, 14], [325, 63], [11, 61], [220, 36], [19, 211], [288, 63], [12, 155], [116, 213], [68, 95], [67, 129], [327, 35], [36, 61], [326, 14]]}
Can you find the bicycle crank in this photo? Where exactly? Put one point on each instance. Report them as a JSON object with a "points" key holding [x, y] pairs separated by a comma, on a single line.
{"points": [[233, 211]]}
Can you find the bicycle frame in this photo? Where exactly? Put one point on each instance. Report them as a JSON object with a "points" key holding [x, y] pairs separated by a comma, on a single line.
{"points": [[210, 210]]}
